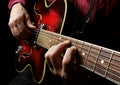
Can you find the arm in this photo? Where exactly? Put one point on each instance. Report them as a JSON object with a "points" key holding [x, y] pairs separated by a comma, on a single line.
{"points": [[19, 20], [12, 2]]}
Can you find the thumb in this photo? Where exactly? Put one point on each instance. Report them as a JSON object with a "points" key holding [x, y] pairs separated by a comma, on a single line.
{"points": [[29, 23]]}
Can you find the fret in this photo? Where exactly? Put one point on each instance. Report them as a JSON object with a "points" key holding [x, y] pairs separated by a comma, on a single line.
{"points": [[90, 64], [91, 59], [84, 53], [116, 56], [97, 50], [99, 71], [79, 45], [87, 48], [103, 62], [109, 63], [73, 41], [113, 78], [113, 74], [92, 56], [115, 64], [114, 68]]}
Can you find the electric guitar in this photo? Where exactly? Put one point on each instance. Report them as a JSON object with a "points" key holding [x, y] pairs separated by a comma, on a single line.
{"points": [[30, 55], [50, 21]]}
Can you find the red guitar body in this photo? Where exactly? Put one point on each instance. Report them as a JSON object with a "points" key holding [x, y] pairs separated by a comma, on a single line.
{"points": [[52, 13]]}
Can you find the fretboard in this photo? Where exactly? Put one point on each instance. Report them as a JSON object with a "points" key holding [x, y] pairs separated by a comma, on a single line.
{"points": [[100, 60]]}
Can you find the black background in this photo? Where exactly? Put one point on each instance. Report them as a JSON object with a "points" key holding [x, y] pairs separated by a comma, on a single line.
{"points": [[7, 47]]}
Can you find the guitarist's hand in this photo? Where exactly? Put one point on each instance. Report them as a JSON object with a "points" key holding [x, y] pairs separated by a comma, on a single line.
{"points": [[62, 66], [19, 22]]}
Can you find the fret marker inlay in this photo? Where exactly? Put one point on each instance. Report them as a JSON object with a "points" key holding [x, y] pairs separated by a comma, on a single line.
{"points": [[83, 53], [102, 61], [50, 40]]}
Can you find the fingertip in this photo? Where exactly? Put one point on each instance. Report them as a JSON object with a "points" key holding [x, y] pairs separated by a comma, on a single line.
{"points": [[67, 41], [29, 23]]}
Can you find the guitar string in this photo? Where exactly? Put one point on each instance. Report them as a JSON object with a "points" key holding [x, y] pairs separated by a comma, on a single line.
{"points": [[51, 38], [96, 66], [84, 48]]}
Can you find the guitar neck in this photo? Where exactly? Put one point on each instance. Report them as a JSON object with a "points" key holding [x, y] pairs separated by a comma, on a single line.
{"points": [[100, 60]]}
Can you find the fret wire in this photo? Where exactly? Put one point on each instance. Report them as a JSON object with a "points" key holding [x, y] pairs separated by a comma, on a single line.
{"points": [[100, 69], [106, 54], [108, 58], [116, 56], [97, 59], [99, 54], [91, 57], [81, 45], [99, 66], [90, 64], [113, 77], [104, 65], [116, 72], [73, 41], [81, 51], [87, 55], [109, 63], [115, 63]]}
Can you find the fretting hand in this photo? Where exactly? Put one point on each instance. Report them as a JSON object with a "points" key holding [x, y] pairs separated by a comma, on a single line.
{"points": [[62, 66]]}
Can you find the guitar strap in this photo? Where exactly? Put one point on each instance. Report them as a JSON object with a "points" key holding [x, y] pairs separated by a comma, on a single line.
{"points": [[87, 18]]}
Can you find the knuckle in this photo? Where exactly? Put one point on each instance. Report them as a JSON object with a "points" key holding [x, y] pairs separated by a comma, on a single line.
{"points": [[48, 55], [72, 49], [10, 25]]}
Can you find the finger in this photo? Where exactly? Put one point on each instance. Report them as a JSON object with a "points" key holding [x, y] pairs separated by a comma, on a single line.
{"points": [[14, 28], [53, 57], [48, 54], [62, 46], [56, 51], [24, 32], [68, 58], [29, 23]]}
